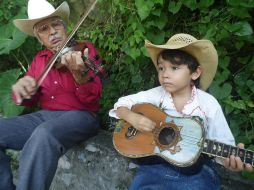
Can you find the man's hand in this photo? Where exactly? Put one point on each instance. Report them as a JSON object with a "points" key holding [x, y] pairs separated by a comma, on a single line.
{"points": [[24, 88], [234, 163], [74, 62]]}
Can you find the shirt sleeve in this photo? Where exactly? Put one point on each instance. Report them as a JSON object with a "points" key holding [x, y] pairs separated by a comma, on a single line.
{"points": [[218, 128], [150, 96]]}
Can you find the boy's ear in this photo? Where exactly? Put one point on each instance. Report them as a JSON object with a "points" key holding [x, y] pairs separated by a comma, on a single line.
{"points": [[196, 73]]}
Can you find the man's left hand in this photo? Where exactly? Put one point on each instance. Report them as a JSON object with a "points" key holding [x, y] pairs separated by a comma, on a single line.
{"points": [[73, 61]]}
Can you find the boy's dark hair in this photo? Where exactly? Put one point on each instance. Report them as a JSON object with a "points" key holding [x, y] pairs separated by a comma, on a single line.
{"points": [[178, 57]]}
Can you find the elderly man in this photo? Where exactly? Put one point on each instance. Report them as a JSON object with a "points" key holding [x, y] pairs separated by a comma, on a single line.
{"points": [[68, 102]]}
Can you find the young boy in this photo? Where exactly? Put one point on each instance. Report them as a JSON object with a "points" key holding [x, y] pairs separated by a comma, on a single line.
{"points": [[184, 65]]}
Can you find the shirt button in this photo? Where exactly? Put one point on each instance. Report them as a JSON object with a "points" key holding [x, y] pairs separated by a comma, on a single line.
{"points": [[55, 82], [76, 88], [52, 97]]}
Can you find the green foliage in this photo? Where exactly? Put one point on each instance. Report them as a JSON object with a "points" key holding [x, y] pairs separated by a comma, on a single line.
{"points": [[16, 51], [7, 105], [228, 24], [10, 37]]}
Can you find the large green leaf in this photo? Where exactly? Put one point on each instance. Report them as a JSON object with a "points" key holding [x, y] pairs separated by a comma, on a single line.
{"points": [[191, 4], [205, 3], [156, 37], [6, 45], [144, 8], [6, 104], [10, 37], [241, 28], [174, 7], [221, 92], [250, 84]]}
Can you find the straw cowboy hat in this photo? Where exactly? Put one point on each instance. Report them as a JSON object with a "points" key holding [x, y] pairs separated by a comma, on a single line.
{"points": [[202, 50], [39, 10]]}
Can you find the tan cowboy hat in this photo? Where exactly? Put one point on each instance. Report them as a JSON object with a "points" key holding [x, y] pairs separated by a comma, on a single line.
{"points": [[202, 50], [39, 10]]}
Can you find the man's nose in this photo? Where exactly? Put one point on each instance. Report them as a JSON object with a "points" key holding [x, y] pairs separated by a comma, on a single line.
{"points": [[52, 30]]}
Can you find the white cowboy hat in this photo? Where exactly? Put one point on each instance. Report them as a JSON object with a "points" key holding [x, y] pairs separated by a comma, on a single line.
{"points": [[202, 50], [39, 10]]}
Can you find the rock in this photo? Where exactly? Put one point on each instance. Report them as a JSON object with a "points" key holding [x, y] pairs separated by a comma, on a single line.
{"points": [[95, 165]]}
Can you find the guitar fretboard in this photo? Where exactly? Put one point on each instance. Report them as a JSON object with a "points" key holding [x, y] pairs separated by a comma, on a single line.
{"points": [[222, 150]]}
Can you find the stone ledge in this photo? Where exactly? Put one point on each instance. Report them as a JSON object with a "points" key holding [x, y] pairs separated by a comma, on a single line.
{"points": [[95, 165]]}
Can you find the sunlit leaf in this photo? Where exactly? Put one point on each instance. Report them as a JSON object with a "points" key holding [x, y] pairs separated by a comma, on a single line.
{"points": [[174, 7], [240, 28], [144, 8], [191, 4]]}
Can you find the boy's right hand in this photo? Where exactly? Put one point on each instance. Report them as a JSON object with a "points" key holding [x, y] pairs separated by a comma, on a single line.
{"points": [[142, 123], [138, 121], [24, 88]]}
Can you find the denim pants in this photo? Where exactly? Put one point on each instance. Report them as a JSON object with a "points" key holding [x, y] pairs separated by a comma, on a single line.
{"points": [[167, 177], [43, 137]]}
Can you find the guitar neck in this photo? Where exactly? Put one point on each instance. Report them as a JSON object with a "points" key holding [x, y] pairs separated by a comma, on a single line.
{"points": [[214, 148]]}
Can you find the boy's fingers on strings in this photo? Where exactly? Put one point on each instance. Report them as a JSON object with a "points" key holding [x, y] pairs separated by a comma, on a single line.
{"points": [[234, 163]]}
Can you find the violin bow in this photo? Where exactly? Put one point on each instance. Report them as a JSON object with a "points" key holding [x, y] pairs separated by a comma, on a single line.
{"points": [[62, 46]]}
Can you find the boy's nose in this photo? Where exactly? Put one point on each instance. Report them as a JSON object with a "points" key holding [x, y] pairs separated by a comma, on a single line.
{"points": [[166, 74]]}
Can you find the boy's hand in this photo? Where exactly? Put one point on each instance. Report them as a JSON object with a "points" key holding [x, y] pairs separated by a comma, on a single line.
{"points": [[142, 123], [138, 121], [234, 163]]}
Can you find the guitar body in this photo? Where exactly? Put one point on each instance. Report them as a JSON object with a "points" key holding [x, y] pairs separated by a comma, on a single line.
{"points": [[178, 140]]}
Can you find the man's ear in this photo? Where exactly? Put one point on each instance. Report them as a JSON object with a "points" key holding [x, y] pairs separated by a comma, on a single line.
{"points": [[196, 74]]}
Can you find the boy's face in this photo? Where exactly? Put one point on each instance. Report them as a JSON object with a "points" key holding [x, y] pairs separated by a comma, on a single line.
{"points": [[176, 79]]}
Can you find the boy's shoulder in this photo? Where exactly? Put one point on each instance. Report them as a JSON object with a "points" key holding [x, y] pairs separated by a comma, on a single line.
{"points": [[206, 97]]}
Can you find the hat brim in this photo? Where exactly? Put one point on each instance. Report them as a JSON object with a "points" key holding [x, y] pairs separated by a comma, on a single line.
{"points": [[202, 50], [26, 25]]}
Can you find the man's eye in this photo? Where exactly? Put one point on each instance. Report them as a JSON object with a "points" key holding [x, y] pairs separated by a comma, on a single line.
{"points": [[57, 23], [43, 28]]}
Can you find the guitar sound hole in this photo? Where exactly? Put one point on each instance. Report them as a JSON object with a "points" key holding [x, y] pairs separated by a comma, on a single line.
{"points": [[167, 136]]}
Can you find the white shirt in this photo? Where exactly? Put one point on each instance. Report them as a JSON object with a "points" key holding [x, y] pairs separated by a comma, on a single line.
{"points": [[201, 104]]}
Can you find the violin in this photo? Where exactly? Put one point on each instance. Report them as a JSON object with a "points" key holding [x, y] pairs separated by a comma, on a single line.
{"points": [[90, 63], [70, 45]]}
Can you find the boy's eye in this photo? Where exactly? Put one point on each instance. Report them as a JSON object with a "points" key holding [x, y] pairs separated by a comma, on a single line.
{"points": [[160, 68], [175, 68]]}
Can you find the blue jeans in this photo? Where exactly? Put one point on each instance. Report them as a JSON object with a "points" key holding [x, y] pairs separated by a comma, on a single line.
{"points": [[167, 177], [43, 137]]}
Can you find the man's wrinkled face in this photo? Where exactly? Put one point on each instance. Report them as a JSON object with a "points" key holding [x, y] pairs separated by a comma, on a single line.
{"points": [[51, 32]]}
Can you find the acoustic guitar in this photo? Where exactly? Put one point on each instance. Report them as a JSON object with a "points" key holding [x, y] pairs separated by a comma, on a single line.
{"points": [[178, 140]]}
